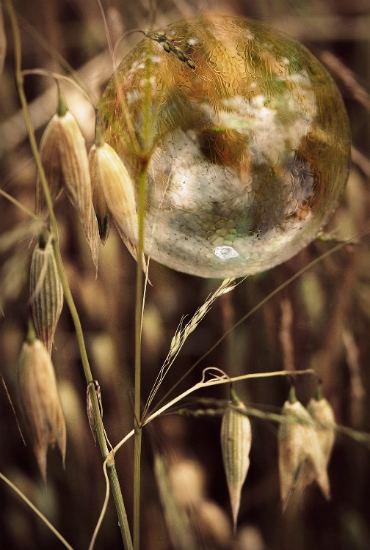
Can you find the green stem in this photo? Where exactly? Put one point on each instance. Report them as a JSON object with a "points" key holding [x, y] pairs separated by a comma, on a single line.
{"points": [[142, 185], [99, 426], [138, 324]]}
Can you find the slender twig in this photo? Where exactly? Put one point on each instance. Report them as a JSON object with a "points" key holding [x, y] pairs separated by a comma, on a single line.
{"points": [[36, 511], [138, 333], [57, 77], [99, 426], [103, 510], [18, 204]]}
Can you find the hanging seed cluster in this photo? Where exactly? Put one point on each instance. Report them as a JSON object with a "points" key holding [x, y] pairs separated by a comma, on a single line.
{"points": [[98, 180], [305, 442], [97, 184], [64, 158], [46, 292]]}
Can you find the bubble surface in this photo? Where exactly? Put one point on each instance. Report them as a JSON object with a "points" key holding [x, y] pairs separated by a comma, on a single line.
{"points": [[248, 138]]}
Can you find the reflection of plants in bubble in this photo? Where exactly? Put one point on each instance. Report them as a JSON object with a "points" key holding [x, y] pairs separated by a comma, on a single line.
{"points": [[248, 136]]}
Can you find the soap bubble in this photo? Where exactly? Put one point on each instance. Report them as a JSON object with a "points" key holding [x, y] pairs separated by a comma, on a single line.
{"points": [[247, 137]]}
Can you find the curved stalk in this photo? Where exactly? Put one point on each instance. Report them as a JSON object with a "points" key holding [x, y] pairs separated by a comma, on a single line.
{"points": [[99, 426]]}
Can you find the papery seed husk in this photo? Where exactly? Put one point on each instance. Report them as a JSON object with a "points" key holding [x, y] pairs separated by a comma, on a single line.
{"points": [[46, 293], [109, 173], [323, 414], [100, 204], [40, 400], [301, 460], [236, 439], [50, 158], [66, 165]]}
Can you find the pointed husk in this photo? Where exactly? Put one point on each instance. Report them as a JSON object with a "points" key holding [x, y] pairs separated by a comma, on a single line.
{"points": [[323, 415], [100, 204], [301, 460], [46, 293], [236, 440], [40, 400], [115, 194], [65, 161]]}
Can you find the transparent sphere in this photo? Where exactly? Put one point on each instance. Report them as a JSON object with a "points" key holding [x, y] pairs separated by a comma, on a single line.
{"points": [[247, 137]]}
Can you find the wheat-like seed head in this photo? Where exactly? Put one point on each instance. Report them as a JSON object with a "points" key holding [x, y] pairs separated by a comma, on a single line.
{"points": [[40, 400], [236, 440], [46, 293]]}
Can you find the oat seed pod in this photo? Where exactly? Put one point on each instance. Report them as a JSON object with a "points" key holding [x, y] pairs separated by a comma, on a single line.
{"points": [[100, 204], [301, 460], [236, 439], [65, 161], [40, 401], [46, 292], [323, 415], [111, 180]]}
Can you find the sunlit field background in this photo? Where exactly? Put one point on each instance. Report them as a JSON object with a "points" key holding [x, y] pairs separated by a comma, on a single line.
{"points": [[319, 320]]}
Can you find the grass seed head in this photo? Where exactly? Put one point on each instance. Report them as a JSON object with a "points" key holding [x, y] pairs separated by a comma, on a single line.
{"points": [[301, 460], [40, 401], [112, 181], [236, 439], [46, 292], [66, 165]]}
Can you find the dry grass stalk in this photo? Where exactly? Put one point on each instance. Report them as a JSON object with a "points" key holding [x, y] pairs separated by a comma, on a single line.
{"points": [[2, 41], [348, 77], [65, 161], [40, 400], [46, 293], [236, 440], [301, 459], [114, 195]]}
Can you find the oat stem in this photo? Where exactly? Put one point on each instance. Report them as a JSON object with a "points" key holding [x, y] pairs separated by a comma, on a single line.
{"points": [[141, 201], [99, 426], [137, 391]]}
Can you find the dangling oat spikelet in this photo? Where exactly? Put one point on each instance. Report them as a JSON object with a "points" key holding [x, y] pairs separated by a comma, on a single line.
{"points": [[236, 439], [301, 460], [46, 292], [65, 161], [111, 180], [40, 401], [323, 415]]}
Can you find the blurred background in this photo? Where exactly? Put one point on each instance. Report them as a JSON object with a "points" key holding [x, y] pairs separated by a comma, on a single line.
{"points": [[320, 320]]}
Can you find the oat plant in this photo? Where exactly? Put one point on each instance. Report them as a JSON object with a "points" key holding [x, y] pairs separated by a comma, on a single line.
{"points": [[147, 130]]}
